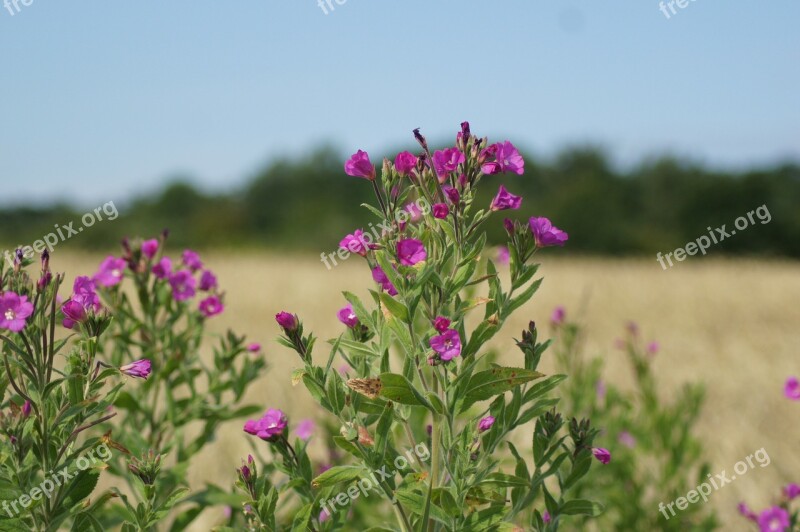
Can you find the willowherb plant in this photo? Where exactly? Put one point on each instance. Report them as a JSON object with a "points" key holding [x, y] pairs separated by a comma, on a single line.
{"points": [[424, 416]]}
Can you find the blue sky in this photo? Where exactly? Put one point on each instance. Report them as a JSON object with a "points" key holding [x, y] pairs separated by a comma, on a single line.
{"points": [[104, 100]]}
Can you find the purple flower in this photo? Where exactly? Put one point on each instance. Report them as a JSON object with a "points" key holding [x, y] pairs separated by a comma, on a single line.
{"points": [[485, 423], [359, 165], [304, 429], [546, 234], [379, 276], [84, 299], [211, 306], [505, 200], [358, 243], [452, 194], [546, 516], [324, 516], [447, 161], [745, 511], [287, 321], [26, 408], [653, 348], [110, 272], [411, 251], [440, 211], [163, 268], [601, 454], [626, 439], [347, 316], [791, 491], [405, 162], [139, 369], [150, 248], [208, 281], [503, 255], [192, 260], [441, 324], [774, 519], [182, 284], [792, 389], [74, 312], [558, 316], [14, 311], [448, 344], [506, 159], [269, 427], [254, 347]]}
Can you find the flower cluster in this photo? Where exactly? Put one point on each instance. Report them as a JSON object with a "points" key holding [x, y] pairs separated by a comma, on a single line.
{"points": [[776, 518]]}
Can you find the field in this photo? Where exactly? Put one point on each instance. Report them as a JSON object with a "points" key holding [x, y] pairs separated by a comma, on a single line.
{"points": [[730, 324]]}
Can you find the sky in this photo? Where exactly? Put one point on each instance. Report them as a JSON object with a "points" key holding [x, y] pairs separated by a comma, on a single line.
{"points": [[103, 101]]}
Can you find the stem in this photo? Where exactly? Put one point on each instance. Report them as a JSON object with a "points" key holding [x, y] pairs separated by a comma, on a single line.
{"points": [[435, 451]]}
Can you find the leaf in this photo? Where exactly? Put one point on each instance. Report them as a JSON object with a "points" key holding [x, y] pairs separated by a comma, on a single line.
{"points": [[337, 475], [488, 383], [297, 376], [399, 389], [581, 507], [504, 480], [80, 488], [396, 308]]}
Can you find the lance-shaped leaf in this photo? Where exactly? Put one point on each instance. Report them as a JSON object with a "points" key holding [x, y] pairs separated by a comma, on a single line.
{"points": [[491, 382]]}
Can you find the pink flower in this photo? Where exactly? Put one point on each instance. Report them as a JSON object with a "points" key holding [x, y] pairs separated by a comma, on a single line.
{"points": [[653, 348], [26, 408], [441, 324], [358, 242], [546, 234], [150, 248], [139, 369], [269, 427], [448, 344], [304, 429], [182, 284], [603, 455], [774, 519], [405, 162], [503, 255], [287, 321], [792, 389], [359, 165], [208, 281], [506, 159], [745, 511], [14, 311], [505, 200], [192, 260], [323, 516], [163, 268], [626, 439], [379, 276], [440, 211], [347, 316], [485, 423], [110, 272], [84, 299], [74, 312], [211, 306], [254, 347], [558, 316], [447, 161], [791, 491], [452, 194], [546, 516], [411, 251]]}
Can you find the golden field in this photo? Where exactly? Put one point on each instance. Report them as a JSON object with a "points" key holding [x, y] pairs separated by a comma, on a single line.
{"points": [[734, 325]]}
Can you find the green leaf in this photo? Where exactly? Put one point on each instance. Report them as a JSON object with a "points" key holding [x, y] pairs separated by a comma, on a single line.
{"points": [[337, 475], [399, 389], [395, 307], [488, 383], [581, 507]]}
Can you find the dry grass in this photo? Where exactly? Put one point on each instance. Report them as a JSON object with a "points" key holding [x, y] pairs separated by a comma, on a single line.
{"points": [[732, 325]]}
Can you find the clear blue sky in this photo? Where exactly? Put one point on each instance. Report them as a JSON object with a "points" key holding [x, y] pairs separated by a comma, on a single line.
{"points": [[102, 100]]}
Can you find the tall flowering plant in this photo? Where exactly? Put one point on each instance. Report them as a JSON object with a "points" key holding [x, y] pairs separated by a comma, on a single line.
{"points": [[424, 417]]}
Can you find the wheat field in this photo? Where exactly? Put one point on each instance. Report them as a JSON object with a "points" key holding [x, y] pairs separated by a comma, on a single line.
{"points": [[731, 324]]}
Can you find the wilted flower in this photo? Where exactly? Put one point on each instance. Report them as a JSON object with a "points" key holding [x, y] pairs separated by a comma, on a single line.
{"points": [[192, 260], [505, 200], [359, 165], [208, 281], [792, 389], [347, 316], [448, 344], [774, 519], [14, 311], [405, 162], [411, 251], [440, 211], [182, 283], [287, 321], [110, 272], [447, 161], [357, 242], [485, 423], [379, 276], [139, 369], [211, 306], [163, 268], [269, 427], [546, 234], [506, 159], [603, 455], [150, 248], [304, 429]]}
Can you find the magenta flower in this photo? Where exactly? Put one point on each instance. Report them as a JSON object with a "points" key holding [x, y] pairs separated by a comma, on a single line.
{"points": [[485, 423], [441, 324], [192, 260], [792, 389], [774, 519], [254, 347], [503, 255], [653, 348], [745, 511], [359, 165], [324, 516], [506, 159], [448, 344], [269, 427], [546, 516], [626, 439], [447, 161], [440, 211], [74, 312], [405, 162], [208, 281], [84, 299], [163, 269], [791, 491], [411, 251], [26, 408], [14, 311], [304, 429], [358, 242], [601, 454], [347, 316], [452, 194], [505, 200], [287, 321], [379, 276], [150, 248], [110, 272], [546, 234], [182, 284], [211, 306], [558, 316], [139, 369]]}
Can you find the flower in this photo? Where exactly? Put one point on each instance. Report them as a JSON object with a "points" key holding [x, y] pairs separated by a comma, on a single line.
{"points": [[163, 268], [254, 347], [405, 162], [208, 281], [653, 348], [791, 491], [182, 284], [558, 316], [485, 423], [379, 276], [503, 255], [14, 311], [601, 454], [359, 165], [304, 429], [110, 272], [440, 211], [269, 427], [626, 439], [192, 260], [774, 519], [139, 369], [74, 312], [448, 344], [347, 316], [506, 159], [84, 298], [446, 161], [414, 212], [211, 306], [411, 251], [287, 321], [150, 248], [745, 511], [546, 234], [546, 516], [324, 515], [358, 243], [505, 200], [452, 194], [792, 389], [441, 324]]}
